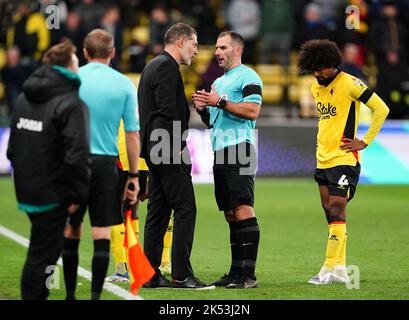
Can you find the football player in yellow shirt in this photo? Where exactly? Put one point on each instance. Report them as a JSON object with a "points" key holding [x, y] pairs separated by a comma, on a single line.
{"points": [[118, 231], [338, 96]]}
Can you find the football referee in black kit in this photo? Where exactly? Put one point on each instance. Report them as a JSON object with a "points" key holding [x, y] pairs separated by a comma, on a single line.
{"points": [[231, 109], [163, 106]]}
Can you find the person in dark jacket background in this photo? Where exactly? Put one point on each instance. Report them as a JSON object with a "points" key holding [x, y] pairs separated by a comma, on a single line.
{"points": [[13, 75], [50, 156]]}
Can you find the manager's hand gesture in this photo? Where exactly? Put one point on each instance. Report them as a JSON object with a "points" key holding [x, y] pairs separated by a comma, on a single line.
{"points": [[206, 98]]}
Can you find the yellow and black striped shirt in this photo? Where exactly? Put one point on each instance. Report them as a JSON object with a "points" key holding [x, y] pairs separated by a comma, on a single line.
{"points": [[338, 106]]}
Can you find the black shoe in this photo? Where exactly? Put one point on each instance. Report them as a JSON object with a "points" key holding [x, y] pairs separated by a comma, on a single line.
{"points": [[159, 282], [223, 281], [191, 283], [243, 283], [70, 298]]}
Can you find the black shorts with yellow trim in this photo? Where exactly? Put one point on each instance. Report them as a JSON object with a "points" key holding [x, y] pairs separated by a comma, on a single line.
{"points": [[341, 180]]}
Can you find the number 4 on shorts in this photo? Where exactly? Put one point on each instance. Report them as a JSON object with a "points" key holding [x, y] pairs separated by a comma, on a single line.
{"points": [[343, 181]]}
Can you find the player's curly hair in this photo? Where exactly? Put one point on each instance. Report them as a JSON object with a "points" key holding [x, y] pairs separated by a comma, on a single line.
{"points": [[318, 54]]}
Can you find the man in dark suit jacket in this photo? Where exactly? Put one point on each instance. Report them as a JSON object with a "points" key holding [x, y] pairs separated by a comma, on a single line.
{"points": [[164, 116]]}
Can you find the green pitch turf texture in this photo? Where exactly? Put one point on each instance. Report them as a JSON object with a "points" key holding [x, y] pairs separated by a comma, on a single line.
{"points": [[292, 246]]}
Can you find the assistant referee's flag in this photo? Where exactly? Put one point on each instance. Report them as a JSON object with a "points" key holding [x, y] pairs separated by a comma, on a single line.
{"points": [[140, 270]]}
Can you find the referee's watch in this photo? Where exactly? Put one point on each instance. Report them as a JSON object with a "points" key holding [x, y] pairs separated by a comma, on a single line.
{"points": [[133, 174], [221, 103]]}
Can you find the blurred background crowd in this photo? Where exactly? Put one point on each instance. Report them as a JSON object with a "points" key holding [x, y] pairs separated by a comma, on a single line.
{"points": [[377, 51]]}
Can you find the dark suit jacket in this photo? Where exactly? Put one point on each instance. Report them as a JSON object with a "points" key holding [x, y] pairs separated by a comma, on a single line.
{"points": [[162, 100]]}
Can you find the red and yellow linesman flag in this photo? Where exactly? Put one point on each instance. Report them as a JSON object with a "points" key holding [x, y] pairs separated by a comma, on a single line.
{"points": [[140, 270]]}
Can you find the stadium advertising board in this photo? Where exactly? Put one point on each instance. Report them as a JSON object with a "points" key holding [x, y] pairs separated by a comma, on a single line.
{"points": [[289, 151]]}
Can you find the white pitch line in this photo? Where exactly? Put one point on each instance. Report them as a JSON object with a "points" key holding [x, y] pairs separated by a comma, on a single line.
{"points": [[118, 291]]}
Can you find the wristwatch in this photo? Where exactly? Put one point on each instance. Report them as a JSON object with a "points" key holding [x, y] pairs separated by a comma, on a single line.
{"points": [[221, 103], [133, 174]]}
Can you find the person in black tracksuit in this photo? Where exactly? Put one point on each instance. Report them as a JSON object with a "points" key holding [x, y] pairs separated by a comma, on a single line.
{"points": [[49, 153], [163, 109]]}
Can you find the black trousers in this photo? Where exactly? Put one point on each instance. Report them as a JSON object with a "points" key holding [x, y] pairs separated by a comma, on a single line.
{"points": [[170, 188], [43, 252]]}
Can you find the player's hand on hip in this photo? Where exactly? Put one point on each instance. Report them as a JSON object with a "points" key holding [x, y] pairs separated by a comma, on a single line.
{"points": [[352, 145], [131, 195], [72, 208]]}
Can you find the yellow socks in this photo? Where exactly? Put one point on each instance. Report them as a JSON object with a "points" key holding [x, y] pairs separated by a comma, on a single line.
{"points": [[118, 250], [336, 246], [167, 244], [342, 257], [117, 247]]}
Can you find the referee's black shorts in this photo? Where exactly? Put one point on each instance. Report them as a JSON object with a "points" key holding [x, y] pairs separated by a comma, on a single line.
{"points": [[341, 180], [104, 201], [234, 178]]}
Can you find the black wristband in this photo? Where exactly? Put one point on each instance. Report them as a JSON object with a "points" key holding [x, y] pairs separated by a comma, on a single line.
{"points": [[221, 103], [133, 174]]}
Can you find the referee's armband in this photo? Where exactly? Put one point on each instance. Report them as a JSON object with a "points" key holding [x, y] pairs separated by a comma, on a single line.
{"points": [[250, 89]]}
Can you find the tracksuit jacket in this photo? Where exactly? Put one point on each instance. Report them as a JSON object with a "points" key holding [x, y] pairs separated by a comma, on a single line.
{"points": [[49, 140]]}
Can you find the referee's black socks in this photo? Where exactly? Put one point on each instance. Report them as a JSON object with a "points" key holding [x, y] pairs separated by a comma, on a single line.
{"points": [[70, 265], [236, 247], [100, 262], [249, 235]]}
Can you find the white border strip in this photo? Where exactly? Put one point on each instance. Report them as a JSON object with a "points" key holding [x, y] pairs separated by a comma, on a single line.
{"points": [[118, 291]]}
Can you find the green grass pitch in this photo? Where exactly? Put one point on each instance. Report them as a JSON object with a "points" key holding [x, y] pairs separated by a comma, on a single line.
{"points": [[292, 245]]}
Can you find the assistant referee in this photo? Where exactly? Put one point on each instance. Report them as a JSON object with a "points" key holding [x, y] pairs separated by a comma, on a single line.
{"points": [[110, 97]]}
